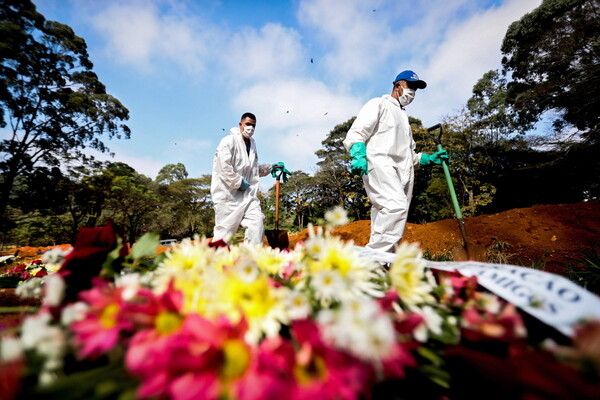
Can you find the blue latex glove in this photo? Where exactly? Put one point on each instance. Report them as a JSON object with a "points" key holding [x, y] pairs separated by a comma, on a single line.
{"points": [[435, 158], [245, 185], [359, 166], [279, 168]]}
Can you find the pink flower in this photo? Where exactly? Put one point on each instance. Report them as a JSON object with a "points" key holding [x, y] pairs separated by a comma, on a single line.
{"points": [[270, 374], [484, 325], [463, 288], [99, 331], [394, 366], [188, 357], [322, 372]]}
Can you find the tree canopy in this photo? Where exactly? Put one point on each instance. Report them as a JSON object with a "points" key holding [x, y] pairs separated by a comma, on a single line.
{"points": [[552, 57], [52, 102]]}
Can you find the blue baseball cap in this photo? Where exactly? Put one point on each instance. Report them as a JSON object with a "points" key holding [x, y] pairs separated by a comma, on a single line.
{"points": [[410, 76]]}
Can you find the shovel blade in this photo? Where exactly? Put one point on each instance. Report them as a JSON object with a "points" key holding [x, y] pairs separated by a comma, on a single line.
{"points": [[277, 239], [469, 253]]}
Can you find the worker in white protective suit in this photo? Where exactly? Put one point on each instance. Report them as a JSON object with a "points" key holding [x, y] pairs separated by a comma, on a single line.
{"points": [[382, 147], [234, 185]]}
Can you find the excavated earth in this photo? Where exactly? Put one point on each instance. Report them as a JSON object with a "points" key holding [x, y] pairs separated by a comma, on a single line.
{"points": [[547, 236]]}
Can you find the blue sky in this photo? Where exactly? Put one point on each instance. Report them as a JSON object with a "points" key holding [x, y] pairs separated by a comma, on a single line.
{"points": [[188, 69]]}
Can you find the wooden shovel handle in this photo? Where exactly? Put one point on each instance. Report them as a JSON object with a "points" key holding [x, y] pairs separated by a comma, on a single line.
{"points": [[277, 205]]}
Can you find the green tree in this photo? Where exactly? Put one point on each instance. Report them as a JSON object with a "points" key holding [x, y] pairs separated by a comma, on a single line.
{"points": [[171, 173], [490, 113], [295, 208], [131, 203], [49, 95], [468, 169], [552, 56], [185, 208], [333, 183]]}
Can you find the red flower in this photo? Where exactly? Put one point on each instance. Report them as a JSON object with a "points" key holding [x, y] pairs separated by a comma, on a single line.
{"points": [[87, 258], [40, 273], [218, 243], [10, 378]]}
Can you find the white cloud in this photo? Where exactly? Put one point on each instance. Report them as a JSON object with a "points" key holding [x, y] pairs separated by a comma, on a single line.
{"points": [[271, 52], [470, 48], [354, 37], [294, 116], [140, 35], [145, 165]]}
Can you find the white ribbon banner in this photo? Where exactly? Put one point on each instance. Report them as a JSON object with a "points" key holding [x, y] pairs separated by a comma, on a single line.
{"points": [[552, 299]]}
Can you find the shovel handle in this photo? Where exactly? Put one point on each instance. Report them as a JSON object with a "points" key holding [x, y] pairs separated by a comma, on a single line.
{"points": [[438, 142], [277, 204]]}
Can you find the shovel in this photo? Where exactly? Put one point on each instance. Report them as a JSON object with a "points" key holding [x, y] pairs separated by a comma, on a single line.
{"points": [[468, 252], [275, 237]]}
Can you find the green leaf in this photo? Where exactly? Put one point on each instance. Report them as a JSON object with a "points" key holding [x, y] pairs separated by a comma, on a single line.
{"points": [[145, 246], [429, 355]]}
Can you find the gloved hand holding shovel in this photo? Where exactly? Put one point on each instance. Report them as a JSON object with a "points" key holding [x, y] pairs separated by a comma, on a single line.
{"points": [[279, 169], [435, 158]]}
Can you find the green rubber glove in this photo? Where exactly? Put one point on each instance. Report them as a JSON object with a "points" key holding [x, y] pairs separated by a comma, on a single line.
{"points": [[359, 166], [435, 158], [280, 169]]}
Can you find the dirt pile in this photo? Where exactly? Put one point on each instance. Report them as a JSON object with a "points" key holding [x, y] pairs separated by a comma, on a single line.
{"points": [[548, 234]]}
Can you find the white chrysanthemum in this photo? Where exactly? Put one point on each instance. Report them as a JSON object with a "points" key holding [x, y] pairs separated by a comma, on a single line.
{"points": [[130, 283], [315, 247], [47, 340], [74, 312], [10, 349], [189, 255], [359, 275], [489, 302], [296, 304], [30, 289], [360, 328], [328, 284], [273, 261], [407, 276], [54, 290], [336, 216], [54, 258], [432, 323], [246, 269]]}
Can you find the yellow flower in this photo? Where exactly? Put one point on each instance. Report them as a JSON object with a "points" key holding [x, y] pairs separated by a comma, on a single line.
{"points": [[236, 358], [167, 322], [407, 275]]}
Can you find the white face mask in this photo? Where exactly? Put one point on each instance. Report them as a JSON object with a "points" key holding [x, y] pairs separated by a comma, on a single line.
{"points": [[407, 97], [248, 131]]}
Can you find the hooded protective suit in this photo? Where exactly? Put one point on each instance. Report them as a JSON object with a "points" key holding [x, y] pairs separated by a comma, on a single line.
{"points": [[235, 207], [383, 126]]}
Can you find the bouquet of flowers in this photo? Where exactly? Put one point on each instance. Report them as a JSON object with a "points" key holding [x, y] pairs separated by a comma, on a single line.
{"points": [[206, 320]]}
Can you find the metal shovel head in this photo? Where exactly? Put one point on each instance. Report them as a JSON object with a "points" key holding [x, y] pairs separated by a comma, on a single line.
{"points": [[277, 239]]}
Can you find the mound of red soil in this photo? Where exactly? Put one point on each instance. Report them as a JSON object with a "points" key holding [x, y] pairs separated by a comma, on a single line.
{"points": [[551, 234]]}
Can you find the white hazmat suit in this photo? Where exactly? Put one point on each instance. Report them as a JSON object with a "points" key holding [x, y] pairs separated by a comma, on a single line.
{"points": [[383, 126], [233, 206]]}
